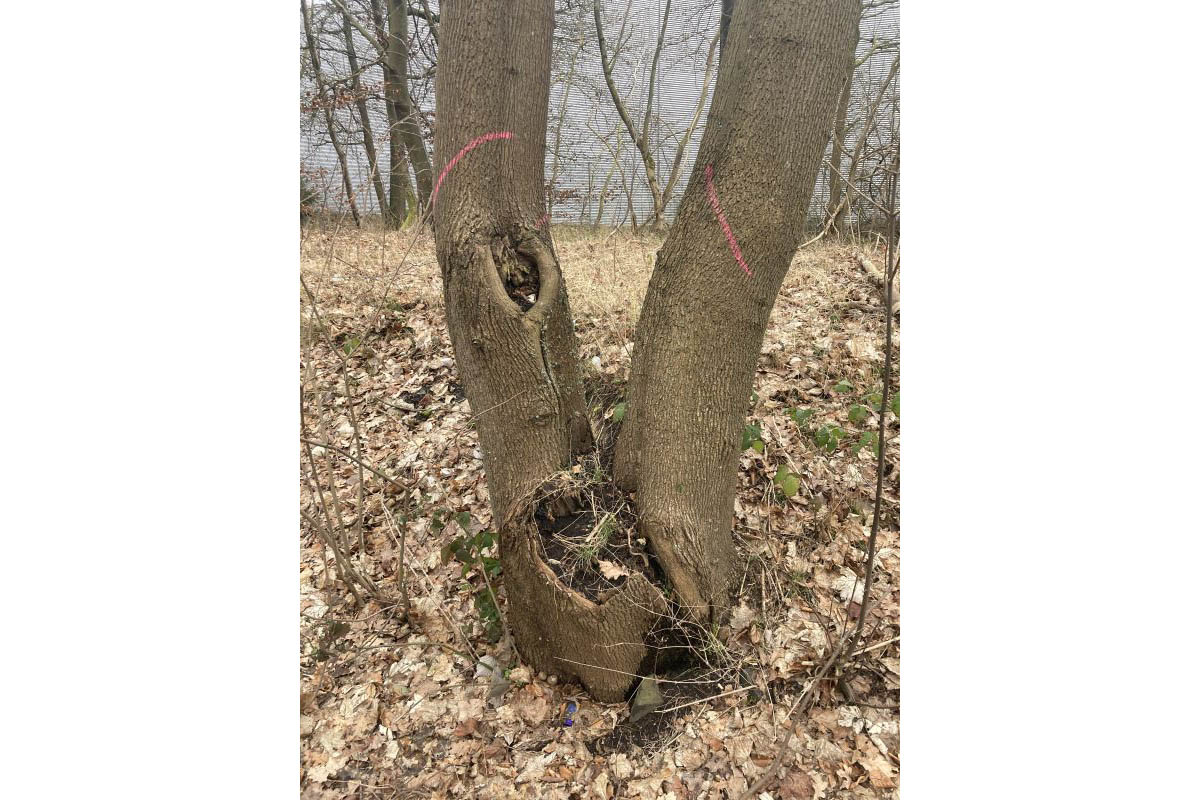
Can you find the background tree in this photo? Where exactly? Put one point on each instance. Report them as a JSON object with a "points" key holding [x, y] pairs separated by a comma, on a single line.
{"points": [[325, 100], [642, 138], [510, 322]]}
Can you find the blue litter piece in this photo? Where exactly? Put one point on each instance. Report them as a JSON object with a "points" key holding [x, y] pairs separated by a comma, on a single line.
{"points": [[571, 709]]}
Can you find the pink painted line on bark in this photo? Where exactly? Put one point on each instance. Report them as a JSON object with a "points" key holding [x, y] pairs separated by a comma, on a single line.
{"points": [[471, 145], [716, 206], [542, 220]]}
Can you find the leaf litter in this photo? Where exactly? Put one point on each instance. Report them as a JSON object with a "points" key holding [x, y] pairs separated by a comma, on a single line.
{"points": [[426, 706]]}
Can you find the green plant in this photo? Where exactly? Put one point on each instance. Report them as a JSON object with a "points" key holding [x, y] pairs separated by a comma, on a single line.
{"points": [[828, 437], [787, 481], [752, 438], [858, 413], [471, 551], [801, 416], [868, 439]]}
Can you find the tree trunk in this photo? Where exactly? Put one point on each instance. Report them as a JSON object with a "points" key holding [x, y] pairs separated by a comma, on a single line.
{"points": [[410, 131], [327, 106], [703, 319], [494, 77], [700, 330], [399, 186], [835, 157], [361, 102]]}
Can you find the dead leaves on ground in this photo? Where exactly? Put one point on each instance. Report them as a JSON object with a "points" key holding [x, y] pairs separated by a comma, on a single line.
{"points": [[400, 709]]}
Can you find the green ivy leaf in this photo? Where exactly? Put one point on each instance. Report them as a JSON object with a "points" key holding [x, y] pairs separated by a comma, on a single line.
{"points": [[758, 446], [828, 436], [463, 518], [857, 413], [875, 400], [801, 415], [843, 386], [787, 481], [350, 345], [619, 411], [750, 434], [895, 404]]}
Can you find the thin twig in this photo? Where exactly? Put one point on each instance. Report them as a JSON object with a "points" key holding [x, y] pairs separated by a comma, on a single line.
{"points": [[352, 457], [801, 706], [883, 406]]}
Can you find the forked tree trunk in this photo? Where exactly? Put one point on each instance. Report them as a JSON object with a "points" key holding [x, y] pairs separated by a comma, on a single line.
{"points": [[511, 327], [703, 319]]}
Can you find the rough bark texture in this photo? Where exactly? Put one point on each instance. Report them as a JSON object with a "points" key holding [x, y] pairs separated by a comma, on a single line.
{"points": [[397, 92], [703, 319], [519, 362], [701, 326]]}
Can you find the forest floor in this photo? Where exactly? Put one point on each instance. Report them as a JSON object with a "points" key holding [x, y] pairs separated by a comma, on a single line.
{"points": [[396, 708]]}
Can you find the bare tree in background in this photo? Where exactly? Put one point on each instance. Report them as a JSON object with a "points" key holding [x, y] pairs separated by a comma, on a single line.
{"points": [[325, 100], [660, 196], [364, 115]]}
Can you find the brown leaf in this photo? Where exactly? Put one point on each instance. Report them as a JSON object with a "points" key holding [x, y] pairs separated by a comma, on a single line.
{"points": [[467, 727], [796, 785]]}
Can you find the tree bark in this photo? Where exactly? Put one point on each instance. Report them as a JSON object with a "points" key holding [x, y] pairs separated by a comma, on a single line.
{"points": [[519, 363], [361, 103], [700, 330], [397, 91], [326, 103], [703, 319]]}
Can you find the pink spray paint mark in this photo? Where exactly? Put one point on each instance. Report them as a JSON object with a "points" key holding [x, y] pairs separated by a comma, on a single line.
{"points": [[471, 145], [542, 220], [716, 206]]}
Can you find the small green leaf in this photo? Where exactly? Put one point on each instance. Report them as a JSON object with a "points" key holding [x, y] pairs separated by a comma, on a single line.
{"points": [[787, 481], [463, 518], [857, 413], [895, 404], [866, 440], [828, 436], [875, 400], [843, 386], [619, 412], [750, 434], [758, 446], [350, 345], [801, 415]]}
